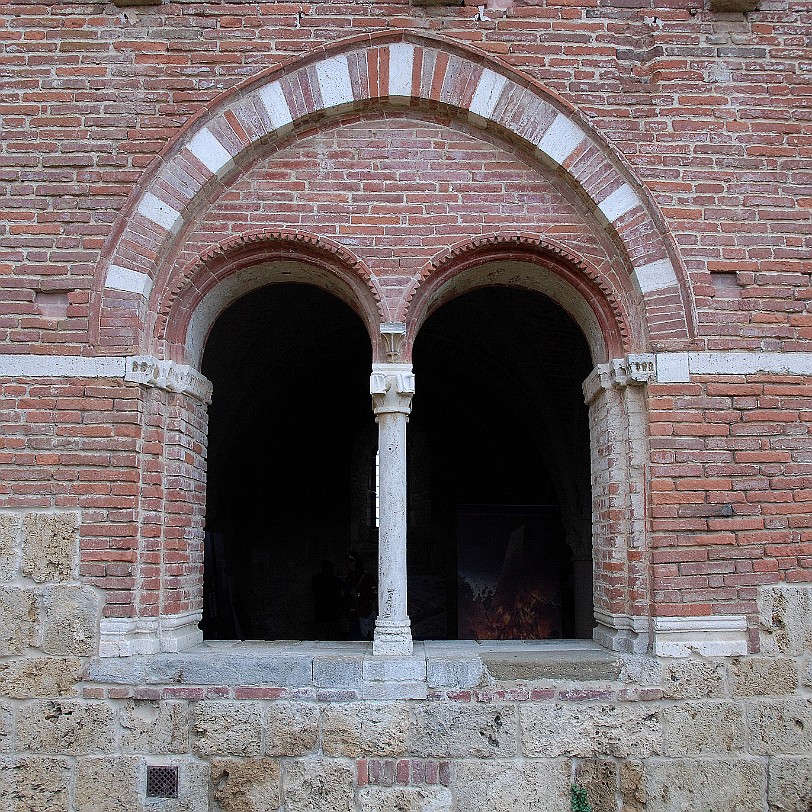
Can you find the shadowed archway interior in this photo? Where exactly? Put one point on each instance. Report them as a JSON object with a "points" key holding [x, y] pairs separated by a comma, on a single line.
{"points": [[290, 371], [500, 501]]}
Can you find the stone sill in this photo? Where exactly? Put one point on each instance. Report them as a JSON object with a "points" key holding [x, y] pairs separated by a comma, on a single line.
{"points": [[435, 665]]}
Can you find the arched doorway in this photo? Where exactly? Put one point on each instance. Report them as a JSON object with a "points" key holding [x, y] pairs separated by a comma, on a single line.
{"points": [[289, 364], [500, 504]]}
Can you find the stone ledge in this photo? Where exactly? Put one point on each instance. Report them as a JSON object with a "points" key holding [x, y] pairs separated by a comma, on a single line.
{"points": [[351, 667]]}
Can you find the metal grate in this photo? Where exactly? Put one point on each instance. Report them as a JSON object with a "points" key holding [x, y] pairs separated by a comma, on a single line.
{"points": [[162, 782]]}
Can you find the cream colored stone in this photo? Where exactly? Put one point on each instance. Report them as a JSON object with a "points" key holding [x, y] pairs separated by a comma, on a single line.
{"points": [[292, 727], [34, 784], [404, 799], [40, 677], [780, 726], [6, 727], [576, 729], [228, 728], [705, 785], [693, 678], [65, 726], [154, 727], [246, 786], [50, 546], [9, 546], [785, 619], [318, 785], [365, 729], [455, 730], [108, 784], [512, 786], [18, 617], [69, 619], [694, 728], [789, 788], [762, 676]]}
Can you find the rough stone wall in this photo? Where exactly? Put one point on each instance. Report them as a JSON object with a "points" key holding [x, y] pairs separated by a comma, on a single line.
{"points": [[297, 728]]}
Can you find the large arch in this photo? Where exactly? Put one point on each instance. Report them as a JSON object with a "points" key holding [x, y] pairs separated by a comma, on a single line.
{"points": [[393, 69]]}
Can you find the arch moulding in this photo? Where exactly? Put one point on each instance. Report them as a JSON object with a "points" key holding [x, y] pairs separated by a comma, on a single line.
{"points": [[392, 69]]}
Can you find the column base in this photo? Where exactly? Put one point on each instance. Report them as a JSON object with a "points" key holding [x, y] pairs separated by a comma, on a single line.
{"points": [[392, 638]]}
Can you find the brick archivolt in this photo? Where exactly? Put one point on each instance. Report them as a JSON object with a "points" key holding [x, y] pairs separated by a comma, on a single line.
{"points": [[396, 69]]}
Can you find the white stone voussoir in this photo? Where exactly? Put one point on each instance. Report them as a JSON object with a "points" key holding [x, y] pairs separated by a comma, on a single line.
{"points": [[160, 213], [619, 202], [119, 278], [487, 93], [401, 63], [657, 275], [276, 105], [333, 75], [561, 139], [210, 152]]}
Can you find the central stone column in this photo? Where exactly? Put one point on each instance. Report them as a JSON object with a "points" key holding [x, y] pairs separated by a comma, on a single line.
{"points": [[392, 387]]}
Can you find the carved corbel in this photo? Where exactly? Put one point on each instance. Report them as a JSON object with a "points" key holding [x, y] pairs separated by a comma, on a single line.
{"points": [[393, 333], [633, 370], [169, 376]]}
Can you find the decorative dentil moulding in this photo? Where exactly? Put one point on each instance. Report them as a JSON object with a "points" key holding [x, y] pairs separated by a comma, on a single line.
{"points": [[633, 370], [168, 375]]}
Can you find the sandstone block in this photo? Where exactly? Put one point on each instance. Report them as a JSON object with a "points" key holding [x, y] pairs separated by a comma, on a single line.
{"points": [[34, 783], [246, 786], [513, 786], [293, 728], [334, 671], [785, 619], [404, 799], [228, 728], [622, 731], [694, 785], [780, 726], [68, 619], [693, 678], [6, 727], [454, 730], [65, 726], [318, 785], [631, 780], [365, 729], [9, 546], [692, 728], [600, 779], [40, 677], [108, 784], [154, 727], [50, 546], [762, 676], [18, 617], [789, 788]]}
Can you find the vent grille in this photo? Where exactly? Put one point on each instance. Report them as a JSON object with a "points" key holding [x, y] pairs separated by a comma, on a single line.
{"points": [[162, 782]]}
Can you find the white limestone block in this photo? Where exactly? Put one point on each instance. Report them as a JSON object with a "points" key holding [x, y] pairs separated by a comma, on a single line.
{"points": [[210, 152], [274, 102], [60, 366], [162, 214], [561, 139], [401, 64], [487, 93], [119, 278], [656, 275], [709, 635], [672, 367], [620, 202], [335, 85], [750, 363]]}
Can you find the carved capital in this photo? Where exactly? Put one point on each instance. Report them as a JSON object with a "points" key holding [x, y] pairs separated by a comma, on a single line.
{"points": [[392, 388], [393, 333], [168, 375], [633, 370]]}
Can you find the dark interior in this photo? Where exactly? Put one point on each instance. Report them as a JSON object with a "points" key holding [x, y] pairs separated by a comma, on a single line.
{"points": [[498, 455]]}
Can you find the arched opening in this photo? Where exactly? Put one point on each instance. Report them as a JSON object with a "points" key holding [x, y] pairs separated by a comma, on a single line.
{"points": [[499, 477], [289, 365]]}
